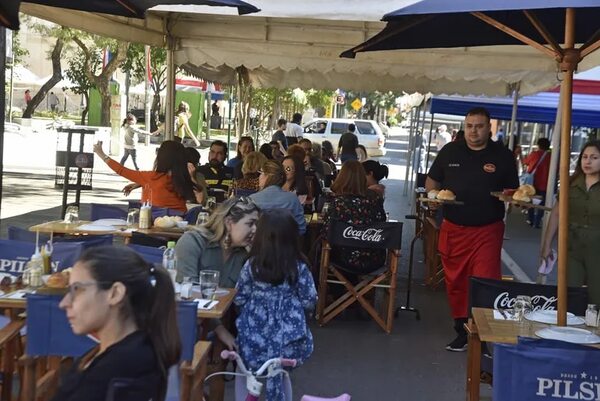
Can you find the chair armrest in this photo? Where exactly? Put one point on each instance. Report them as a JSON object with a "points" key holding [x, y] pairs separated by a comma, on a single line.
{"points": [[201, 350], [8, 332], [396, 252]]}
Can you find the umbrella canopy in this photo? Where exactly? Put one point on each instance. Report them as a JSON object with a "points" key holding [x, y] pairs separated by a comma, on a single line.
{"points": [[9, 9], [552, 28]]}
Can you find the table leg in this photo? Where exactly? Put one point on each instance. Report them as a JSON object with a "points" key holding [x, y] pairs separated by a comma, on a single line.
{"points": [[473, 362]]}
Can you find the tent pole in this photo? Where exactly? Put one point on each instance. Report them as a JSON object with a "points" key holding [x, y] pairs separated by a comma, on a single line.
{"points": [[147, 97], [170, 100], [428, 144], [414, 115], [568, 66], [513, 118], [2, 105], [419, 150]]}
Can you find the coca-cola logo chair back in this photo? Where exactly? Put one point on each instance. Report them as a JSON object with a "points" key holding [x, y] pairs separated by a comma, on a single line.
{"points": [[384, 235], [490, 293]]}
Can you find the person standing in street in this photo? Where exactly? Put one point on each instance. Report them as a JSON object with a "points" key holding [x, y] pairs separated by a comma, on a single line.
{"points": [[131, 138], [470, 238], [27, 97], [442, 137], [538, 164], [348, 144], [53, 102], [279, 135], [294, 131]]}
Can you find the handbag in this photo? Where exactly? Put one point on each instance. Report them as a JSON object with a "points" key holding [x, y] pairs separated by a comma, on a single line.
{"points": [[527, 178]]}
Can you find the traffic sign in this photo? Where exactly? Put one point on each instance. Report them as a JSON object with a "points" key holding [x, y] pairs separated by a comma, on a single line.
{"points": [[340, 99], [356, 104]]}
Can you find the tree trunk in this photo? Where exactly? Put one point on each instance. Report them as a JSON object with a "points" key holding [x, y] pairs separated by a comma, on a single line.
{"points": [[155, 111], [54, 79]]}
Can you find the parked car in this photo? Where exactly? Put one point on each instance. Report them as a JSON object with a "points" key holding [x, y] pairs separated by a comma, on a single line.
{"points": [[368, 131]]}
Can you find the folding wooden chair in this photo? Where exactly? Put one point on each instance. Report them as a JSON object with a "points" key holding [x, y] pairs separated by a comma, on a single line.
{"points": [[10, 349], [373, 236], [51, 346]]}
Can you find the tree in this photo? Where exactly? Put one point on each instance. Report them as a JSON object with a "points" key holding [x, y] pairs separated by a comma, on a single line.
{"points": [[374, 102], [54, 79], [91, 46], [319, 98], [82, 84], [135, 64]]}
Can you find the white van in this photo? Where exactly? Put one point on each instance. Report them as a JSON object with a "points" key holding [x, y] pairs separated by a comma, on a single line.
{"points": [[331, 129]]}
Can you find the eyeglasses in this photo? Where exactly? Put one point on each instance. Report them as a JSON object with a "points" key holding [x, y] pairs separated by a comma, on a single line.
{"points": [[78, 287]]}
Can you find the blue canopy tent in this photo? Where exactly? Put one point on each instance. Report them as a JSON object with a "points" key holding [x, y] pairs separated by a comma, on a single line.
{"points": [[539, 108]]}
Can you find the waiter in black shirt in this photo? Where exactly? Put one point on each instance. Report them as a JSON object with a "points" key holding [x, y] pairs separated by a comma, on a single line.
{"points": [[217, 176], [470, 240]]}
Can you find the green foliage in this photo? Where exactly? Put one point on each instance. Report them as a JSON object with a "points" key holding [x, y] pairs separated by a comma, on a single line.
{"points": [[319, 98], [19, 52], [374, 101], [76, 71]]}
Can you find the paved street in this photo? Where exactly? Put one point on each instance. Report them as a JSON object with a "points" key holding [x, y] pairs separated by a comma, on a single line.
{"points": [[351, 355]]}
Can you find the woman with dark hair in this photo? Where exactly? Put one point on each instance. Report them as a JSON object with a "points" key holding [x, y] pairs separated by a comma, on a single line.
{"points": [[584, 223], [266, 150], [272, 196], [182, 125], [169, 185], [375, 173], [275, 292], [245, 145], [220, 244], [130, 306], [353, 203], [295, 177], [193, 161]]}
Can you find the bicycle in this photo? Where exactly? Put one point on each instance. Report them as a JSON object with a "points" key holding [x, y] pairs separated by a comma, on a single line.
{"points": [[273, 367]]}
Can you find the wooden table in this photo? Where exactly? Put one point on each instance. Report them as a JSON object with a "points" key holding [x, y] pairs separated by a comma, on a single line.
{"points": [[484, 328], [60, 227], [17, 305]]}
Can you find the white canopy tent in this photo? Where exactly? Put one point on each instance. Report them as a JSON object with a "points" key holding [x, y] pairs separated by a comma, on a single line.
{"points": [[297, 44]]}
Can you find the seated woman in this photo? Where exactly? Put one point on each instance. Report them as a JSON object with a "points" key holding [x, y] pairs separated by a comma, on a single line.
{"points": [[353, 203], [249, 183], [169, 185], [295, 177], [272, 196], [219, 245], [375, 173], [130, 306], [244, 147], [200, 190]]}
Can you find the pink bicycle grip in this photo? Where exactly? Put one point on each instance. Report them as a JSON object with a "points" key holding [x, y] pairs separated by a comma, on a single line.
{"points": [[288, 362], [226, 354]]}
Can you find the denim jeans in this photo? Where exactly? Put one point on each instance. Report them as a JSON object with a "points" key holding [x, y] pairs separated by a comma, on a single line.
{"points": [[535, 215]]}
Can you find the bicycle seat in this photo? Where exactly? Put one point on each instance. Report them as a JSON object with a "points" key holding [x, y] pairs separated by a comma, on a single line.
{"points": [[343, 397]]}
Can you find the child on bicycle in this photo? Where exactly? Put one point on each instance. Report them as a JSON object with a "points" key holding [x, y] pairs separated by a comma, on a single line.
{"points": [[275, 292]]}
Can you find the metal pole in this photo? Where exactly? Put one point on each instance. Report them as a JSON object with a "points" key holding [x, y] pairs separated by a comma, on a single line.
{"points": [[429, 144], [2, 106], [513, 118], [147, 97], [229, 118], [170, 100], [12, 77], [413, 114]]}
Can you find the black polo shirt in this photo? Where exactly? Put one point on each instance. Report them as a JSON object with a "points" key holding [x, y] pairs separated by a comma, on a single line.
{"points": [[218, 180], [472, 175], [348, 143]]}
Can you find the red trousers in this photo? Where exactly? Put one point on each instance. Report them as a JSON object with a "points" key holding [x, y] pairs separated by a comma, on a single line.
{"points": [[468, 251]]}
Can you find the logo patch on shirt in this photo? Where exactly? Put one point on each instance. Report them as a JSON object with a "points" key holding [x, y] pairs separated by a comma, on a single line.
{"points": [[489, 168], [453, 164]]}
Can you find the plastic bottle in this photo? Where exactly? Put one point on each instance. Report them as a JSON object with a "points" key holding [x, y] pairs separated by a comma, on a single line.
{"points": [[145, 216], [591, 316], [32, 276], [170, 260]]}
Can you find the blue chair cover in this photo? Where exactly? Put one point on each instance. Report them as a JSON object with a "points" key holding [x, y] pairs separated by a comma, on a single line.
{"points": [[187, 322], [48, 330], [535, 370], [149, 253], [191, 216], [99, 211], [164, 211], [21, 234], [239, 192], [14, 255]]}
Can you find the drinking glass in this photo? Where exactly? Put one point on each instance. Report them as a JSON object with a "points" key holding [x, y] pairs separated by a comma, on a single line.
{"points": [[202, 218], [209, 281], [186, 287], [522, 306], [325, 208], [133, 217], [72, 214]]}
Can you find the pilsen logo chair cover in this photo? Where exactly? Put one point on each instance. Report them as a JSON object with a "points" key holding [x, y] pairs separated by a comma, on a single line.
{"points": [[535, 370]]}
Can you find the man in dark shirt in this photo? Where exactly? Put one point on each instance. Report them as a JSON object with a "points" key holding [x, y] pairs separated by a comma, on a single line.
{"points": [[470, 239], [218, 178], [279, 135], [348, 144]]}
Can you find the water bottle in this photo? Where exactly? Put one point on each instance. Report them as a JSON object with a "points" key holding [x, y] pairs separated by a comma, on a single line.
{"points": [[32, 276], [170, 260]]}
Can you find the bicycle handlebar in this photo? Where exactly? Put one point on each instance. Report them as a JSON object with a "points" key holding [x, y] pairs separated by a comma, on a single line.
{"points": [[234, 356]]}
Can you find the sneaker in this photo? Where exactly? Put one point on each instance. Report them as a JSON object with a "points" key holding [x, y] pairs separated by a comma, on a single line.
{"points": [[459, 344]]}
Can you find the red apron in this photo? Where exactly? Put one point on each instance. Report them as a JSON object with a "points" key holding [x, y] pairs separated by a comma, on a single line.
{"points": [[468, 251]]}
